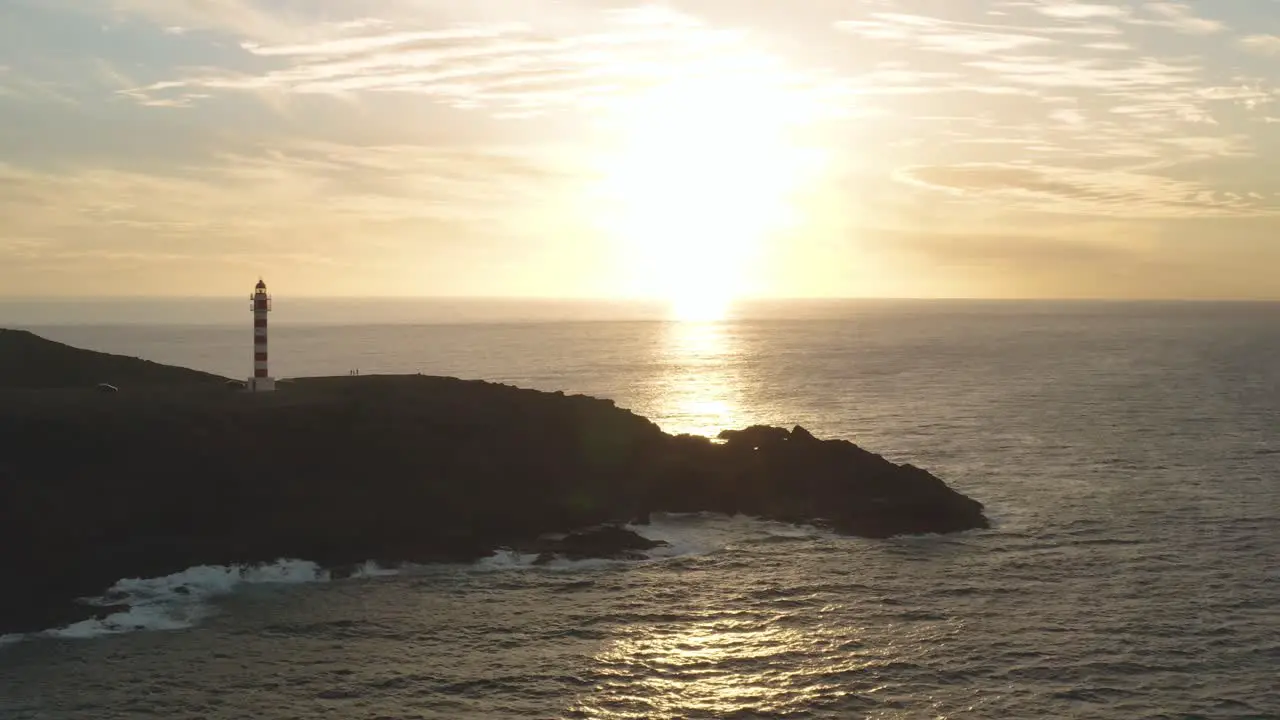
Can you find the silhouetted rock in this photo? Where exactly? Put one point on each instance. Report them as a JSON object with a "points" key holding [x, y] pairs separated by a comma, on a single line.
{"points": [[176, 471], [799, 434], [608, 542], [755, 437]]}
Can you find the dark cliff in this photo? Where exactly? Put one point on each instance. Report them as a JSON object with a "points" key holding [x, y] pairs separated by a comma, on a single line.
{"points": [[29, 361], [164, 475]]}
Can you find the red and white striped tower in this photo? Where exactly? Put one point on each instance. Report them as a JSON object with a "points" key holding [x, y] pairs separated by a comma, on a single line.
{"points": [[260, 304]]}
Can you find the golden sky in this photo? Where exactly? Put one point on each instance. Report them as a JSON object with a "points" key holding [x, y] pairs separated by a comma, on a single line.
{"points": [[693, 150]]}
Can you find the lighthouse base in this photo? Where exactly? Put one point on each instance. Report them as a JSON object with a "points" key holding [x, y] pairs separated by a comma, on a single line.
{"points": [[261, 384]]}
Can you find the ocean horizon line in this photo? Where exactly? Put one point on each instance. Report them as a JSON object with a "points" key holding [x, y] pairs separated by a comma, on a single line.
{"points": [[757, 299], [316, 311]]}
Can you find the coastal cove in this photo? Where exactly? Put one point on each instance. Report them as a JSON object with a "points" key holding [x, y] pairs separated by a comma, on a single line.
{"points": [[178, 469]]}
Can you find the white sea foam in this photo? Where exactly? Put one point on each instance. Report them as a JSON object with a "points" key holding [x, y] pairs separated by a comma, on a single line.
{"points": [[181, 600], [373, 570], [686, 535], [512, 560], [706, 533], [506, 560], [797, 532]]}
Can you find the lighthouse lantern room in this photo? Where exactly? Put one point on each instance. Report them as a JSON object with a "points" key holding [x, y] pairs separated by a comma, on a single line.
{"points": [[260, 304]]}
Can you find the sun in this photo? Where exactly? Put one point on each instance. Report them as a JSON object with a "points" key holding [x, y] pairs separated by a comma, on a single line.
{"points": [[700, 177], [693, 305]]}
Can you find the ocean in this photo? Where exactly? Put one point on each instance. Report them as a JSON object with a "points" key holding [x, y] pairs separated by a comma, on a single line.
{"points": [[1127, 453]]}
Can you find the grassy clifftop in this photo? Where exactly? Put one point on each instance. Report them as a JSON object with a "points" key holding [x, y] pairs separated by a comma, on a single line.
{"points": [[29, 361]]}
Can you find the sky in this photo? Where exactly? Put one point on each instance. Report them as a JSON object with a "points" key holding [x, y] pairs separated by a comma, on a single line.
{"points": [[693, 150]]}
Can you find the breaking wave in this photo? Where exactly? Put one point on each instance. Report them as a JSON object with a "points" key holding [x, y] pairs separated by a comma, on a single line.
{"points": [[182, 600], [686, 535]]}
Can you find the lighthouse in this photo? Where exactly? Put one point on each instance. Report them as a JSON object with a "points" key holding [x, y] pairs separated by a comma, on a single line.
{"points": [[260, 304]]}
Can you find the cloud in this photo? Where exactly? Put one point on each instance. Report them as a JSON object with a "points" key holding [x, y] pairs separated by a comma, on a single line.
{"points": [[1137, 112], [332, 218], [331, 199], [17, 86], [1068, 260], [1261, 44], [941, 35], [1066, 190], [510, 68], [1064, 84], [1089, 73], [1005, 251], [1068, 10], [1179, 17], [237, 18]]}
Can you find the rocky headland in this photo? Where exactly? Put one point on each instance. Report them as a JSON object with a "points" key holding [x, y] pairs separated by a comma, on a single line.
{"points": [[179, 468]]}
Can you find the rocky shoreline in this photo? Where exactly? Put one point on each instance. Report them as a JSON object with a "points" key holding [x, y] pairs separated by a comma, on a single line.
{"points": [[183, 471]]}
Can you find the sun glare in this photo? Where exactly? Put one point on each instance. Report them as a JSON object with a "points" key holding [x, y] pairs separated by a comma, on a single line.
{"points": [[701, 176], [700, 305]]}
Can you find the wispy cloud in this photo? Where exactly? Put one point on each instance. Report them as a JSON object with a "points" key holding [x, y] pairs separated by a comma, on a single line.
{"points": [[237, 18], [1075, 191], [14, 84], [1180, 17], [339, 198], [330, 131], [506, 66], [944, 36], [1092, 124], [1261, 44], [1070, 10]]}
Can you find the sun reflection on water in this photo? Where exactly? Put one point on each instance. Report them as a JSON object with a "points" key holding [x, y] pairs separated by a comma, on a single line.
{"points": [[751, 665], [689, 669], [700, 391]]}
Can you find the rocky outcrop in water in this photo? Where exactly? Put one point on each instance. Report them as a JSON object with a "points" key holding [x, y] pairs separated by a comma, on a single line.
{"points": [[609, 542], [175, 471]]}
